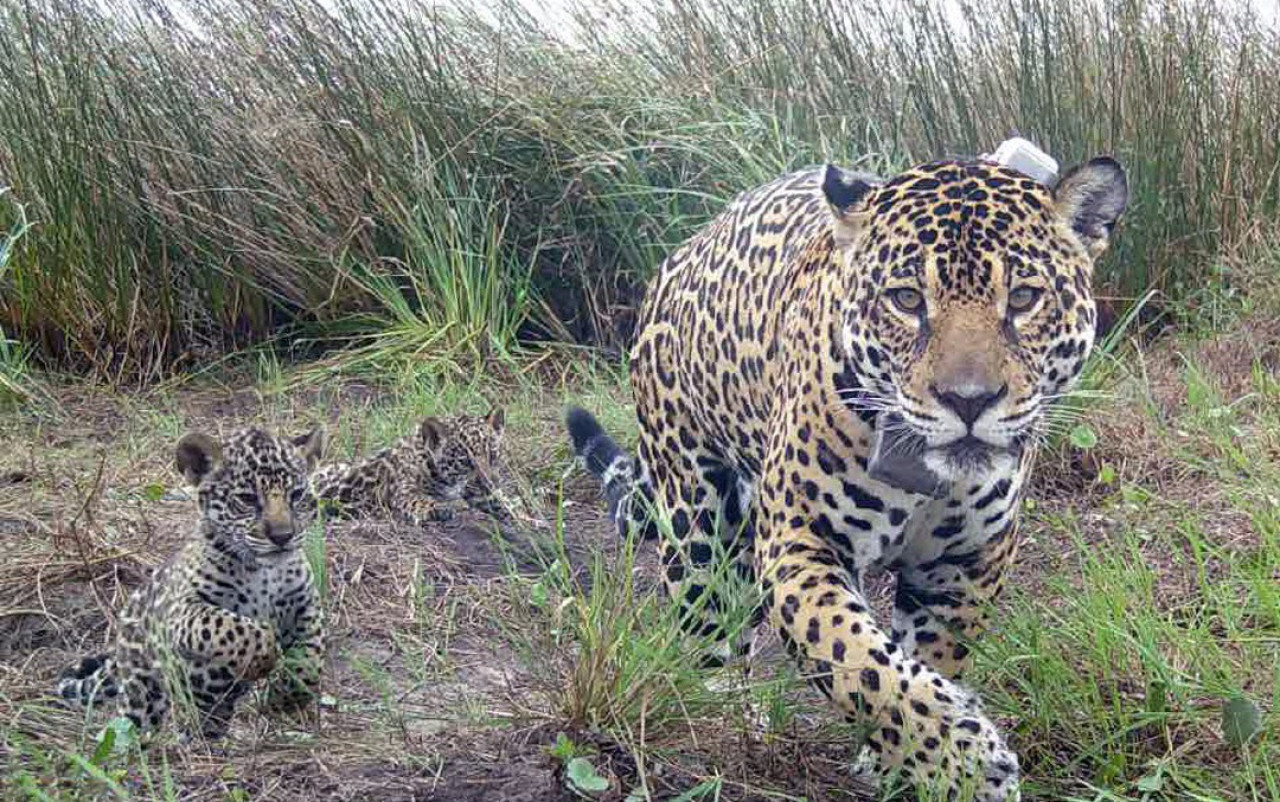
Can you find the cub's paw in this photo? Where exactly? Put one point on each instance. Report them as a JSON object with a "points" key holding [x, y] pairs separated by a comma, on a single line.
{"points": [[263, 656], [441, 514]]}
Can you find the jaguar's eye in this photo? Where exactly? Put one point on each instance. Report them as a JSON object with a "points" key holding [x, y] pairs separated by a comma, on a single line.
{"points": [[1023, 298], [907, 300], [247, 500]]}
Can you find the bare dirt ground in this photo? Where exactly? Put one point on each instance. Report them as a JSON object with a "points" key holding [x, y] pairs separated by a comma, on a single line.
{"points": [[431, 692]]}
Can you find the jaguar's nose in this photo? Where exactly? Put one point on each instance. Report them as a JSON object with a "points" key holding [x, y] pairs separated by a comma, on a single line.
{"points": [[277, 520], [970, 402], [279, 532]]}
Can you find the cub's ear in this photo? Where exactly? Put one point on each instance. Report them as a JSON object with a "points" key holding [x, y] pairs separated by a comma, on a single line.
{"points": [[311, 445], [845, 192], [497, 419], [431, 432], [198, 455], [1091, 198]]}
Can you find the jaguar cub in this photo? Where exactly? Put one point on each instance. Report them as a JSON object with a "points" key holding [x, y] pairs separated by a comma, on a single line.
{"points": [[440, 469], [236, 604]]}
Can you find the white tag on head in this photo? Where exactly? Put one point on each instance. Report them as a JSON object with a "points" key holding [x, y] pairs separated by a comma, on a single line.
{"points": [[1019, 154]]}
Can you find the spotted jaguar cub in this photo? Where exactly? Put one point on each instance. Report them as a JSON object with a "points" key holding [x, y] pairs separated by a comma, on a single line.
{"points": [[440, 469], [236, 604]]}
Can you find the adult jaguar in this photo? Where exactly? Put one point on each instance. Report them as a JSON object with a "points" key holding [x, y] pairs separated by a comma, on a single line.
{"points": [[940, 310], [236, 604]]}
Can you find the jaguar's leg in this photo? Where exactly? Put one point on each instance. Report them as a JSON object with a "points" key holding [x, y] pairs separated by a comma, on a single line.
{"points": [[419, 510], [296, 681], [215, 690], [702, 548], [245, 647], [334, 493], [142, 697], [922, 722], [143, 694], [218, 654], [496, 494], [941, 605], [491, 502]]}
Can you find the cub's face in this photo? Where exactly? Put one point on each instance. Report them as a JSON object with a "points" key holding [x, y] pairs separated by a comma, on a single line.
{"points": [[969, 306], [252, 487], [460, 452]]}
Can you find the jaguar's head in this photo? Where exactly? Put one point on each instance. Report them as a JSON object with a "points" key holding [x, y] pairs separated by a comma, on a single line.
{"points": [[461, 451], [252, 487], [968, 307]]}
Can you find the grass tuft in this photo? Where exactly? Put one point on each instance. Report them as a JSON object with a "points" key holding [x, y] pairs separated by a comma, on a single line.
{"points": [[438, 184]]}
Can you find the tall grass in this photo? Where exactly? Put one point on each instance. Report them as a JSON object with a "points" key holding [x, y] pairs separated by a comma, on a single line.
{"points": [[13, 355], [250, 169]]}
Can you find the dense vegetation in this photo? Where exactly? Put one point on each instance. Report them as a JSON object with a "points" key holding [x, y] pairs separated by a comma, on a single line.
{"points": [[405, 180]]}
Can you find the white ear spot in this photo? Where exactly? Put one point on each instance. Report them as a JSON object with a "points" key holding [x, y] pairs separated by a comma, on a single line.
{"points": [[1091, 198]]}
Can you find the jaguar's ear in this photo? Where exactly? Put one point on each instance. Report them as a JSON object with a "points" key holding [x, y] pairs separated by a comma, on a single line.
{"points": [[497, 419], [1091, 198], [198, 455], [311, 446], [431, 432], [846, 194]]}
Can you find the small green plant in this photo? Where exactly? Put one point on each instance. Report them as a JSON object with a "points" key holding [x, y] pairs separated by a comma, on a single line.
{"points": [[1241, 720], [563, 749], [709, 789], [120, 764], [582, 776], [579, 772], [118, 737], [1083, 436]]}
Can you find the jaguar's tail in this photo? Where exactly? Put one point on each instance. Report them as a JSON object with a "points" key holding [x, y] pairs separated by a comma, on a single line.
{"points": [[89, 682], [605, 459]]}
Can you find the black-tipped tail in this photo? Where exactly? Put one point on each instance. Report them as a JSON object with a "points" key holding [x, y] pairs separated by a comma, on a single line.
{"points": [[89, 681], [596, 449], [600, 455]]}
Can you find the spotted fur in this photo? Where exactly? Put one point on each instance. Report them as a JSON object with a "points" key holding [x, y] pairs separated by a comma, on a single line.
{"points": [[440, 469], [947, 307], [236, 604]]}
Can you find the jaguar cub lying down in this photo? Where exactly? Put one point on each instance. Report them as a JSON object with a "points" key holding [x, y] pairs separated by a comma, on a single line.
{"points": [[236, 604], [432, 474]]}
